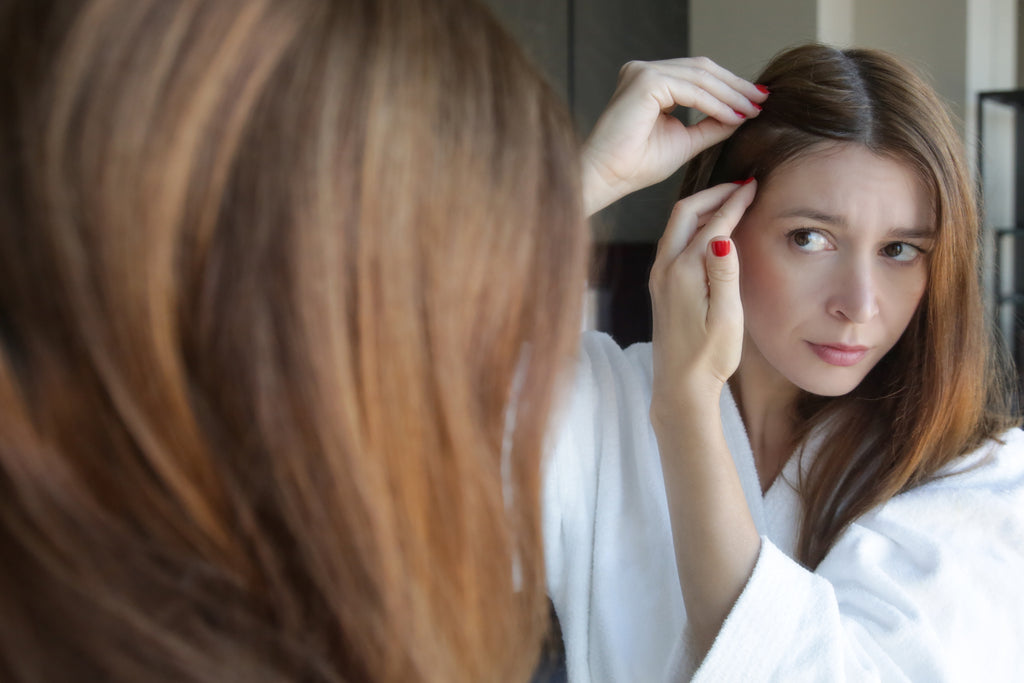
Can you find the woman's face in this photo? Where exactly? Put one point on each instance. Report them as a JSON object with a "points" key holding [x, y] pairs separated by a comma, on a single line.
{"points": [[833, 263]]}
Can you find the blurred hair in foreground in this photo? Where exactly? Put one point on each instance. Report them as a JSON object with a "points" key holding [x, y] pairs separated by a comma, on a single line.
{"points": [[285, 290]]}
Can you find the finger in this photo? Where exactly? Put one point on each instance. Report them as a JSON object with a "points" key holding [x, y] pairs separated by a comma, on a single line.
{"points": [[683, 222], [747, 89], [741, 97], [707, 95], [714, 213], [706, 133], [686, 84], [725, 308], [728, 216]]}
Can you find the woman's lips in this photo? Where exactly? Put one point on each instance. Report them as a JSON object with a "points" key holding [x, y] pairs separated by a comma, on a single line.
{"points": [[839, 354]]}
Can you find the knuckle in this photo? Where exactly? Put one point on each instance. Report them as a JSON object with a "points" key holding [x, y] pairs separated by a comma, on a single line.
{"points": [[632, 68], [665, 278], [679, 280], [646, 77], [705, 99], [680, 207], [702, 62], [660, 274]]}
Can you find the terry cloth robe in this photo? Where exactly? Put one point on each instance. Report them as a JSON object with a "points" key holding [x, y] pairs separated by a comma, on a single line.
{"points": [[927, 587]]}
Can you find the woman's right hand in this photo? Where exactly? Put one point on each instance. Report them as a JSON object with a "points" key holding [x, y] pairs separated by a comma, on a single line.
{"points": [[695, 296], [637, 141]]}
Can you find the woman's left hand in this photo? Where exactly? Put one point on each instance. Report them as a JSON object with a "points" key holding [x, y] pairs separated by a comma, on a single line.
{"points": [[694, 284], [637, 141]]}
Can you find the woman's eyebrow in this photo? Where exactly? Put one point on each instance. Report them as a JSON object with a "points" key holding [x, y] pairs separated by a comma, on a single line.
{"points": [[918, 232], [814, 215], [925, 232]]}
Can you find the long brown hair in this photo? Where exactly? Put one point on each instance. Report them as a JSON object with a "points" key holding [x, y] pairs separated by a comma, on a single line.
{"points": [[939, 393], [285, 286]]}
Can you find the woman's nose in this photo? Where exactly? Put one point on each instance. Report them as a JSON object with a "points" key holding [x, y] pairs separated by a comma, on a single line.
{"points": [[854, 293]]}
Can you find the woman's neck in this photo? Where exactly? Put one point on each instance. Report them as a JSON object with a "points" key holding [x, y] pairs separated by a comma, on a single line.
{"points": [[766, 401]]}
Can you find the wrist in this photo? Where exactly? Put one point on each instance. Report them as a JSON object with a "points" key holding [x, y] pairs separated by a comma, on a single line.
{"points": [[598, 191], [687, 404]]}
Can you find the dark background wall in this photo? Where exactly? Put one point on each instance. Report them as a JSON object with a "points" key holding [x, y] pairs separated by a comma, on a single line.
{"points": [[580, 45]]}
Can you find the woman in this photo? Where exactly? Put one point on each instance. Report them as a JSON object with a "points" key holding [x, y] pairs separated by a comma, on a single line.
{"points": [[818, 424], [267, 273]]}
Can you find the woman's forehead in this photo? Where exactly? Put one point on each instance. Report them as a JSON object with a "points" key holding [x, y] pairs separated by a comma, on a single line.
{"points": [[847, 182]]}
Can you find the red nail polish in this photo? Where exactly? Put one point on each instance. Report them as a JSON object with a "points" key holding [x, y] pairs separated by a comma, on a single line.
{"points": [[720, 247], [744, 182], [757, 106], [763, 89], [739, 114]]}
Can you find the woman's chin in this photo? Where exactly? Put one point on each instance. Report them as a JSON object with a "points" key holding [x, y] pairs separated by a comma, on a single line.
{"points": [[832, 386]]}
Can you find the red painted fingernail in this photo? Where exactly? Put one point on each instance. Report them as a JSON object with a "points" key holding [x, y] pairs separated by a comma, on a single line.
{"points": [[720, 247], [739, 114], [763, 89], [744, 182], [757, 106]]}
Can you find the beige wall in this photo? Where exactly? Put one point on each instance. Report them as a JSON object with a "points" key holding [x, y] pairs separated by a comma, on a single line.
{"points": [[836, 22], [741, 35], [930, 33]]}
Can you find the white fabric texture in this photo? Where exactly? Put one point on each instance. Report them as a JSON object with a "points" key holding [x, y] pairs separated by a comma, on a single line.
{"points": [[928, 587]]}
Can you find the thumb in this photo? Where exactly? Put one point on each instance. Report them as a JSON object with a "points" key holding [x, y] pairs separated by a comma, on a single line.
{"points": [[706, 133], [725, 310]]}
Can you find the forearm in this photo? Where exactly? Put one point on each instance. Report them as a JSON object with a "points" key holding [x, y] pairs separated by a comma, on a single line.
{"points": [[716, 542], [598, 191]]}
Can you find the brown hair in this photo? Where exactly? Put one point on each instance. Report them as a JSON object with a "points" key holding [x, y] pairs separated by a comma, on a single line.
{"points": [[285, 287], [939, 393]]}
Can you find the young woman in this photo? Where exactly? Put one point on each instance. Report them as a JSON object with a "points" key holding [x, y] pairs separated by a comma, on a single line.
{"points": [[267, 271], [810, 474]]}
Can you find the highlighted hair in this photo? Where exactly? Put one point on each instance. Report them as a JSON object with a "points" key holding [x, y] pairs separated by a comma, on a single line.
{"points": [[267, 271]]}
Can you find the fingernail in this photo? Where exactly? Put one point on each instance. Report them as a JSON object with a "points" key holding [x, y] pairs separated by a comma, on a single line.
{"points": [[763, 89], [720, 247], [739, 114], [757, 106], [744, 182]]}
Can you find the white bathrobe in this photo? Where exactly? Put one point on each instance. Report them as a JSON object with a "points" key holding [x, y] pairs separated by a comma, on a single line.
{"points": [[928, 587]]}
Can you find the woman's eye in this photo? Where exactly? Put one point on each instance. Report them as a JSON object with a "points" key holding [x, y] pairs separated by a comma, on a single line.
{"points": [[901, 251], [809, 240]]}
